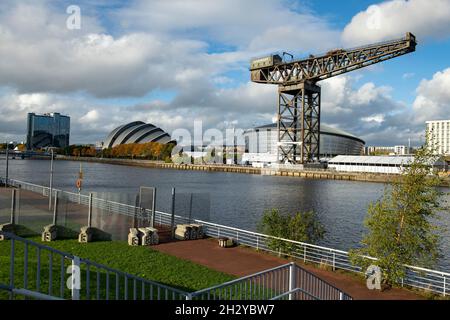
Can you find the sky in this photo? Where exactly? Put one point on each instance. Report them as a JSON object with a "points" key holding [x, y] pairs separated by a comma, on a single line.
{"points": [[171, 63]]}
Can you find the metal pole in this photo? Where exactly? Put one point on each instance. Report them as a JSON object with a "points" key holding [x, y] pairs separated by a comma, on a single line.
{"points": [[51, 183], [152, 221], [172, 220], [55, 208], [90, 210], [190, 209], [291, 280], [7, 166], [13, 206]]}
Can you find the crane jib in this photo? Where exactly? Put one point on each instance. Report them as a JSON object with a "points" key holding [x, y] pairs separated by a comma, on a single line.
{"points": [[272, 70], [299, 96]]}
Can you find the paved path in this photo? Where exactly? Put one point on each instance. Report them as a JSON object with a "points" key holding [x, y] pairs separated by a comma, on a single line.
{"points": [[242, 261]]}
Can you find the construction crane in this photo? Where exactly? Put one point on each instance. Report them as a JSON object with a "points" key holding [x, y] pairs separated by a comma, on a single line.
{"points": [[299, 96]]}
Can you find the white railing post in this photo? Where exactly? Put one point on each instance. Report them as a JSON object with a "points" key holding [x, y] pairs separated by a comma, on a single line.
{"points": [[189, 297], [334, 261], [90, 210], [445, 285], [341, 295], [292, 280]]}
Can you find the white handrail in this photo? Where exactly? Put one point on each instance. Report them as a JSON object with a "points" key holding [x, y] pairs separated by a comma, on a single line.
{"points": [[257, 244]]}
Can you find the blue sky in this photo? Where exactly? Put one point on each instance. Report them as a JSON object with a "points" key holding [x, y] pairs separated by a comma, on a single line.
{"points": [[175, 62]]}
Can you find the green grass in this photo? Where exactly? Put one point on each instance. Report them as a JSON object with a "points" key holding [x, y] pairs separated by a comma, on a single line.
{"points": [[143, 262]]}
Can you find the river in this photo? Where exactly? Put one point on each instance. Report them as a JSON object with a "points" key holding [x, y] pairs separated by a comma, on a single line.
{"points": [[237, 200]]}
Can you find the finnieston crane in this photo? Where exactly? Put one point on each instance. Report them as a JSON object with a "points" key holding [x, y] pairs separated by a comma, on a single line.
{"points": [[299, 96]]}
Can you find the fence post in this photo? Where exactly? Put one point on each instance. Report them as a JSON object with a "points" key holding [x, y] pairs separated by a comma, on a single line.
{"points": [[76, 282], [55, 208], [257, 242], [190, 208], [304, 254], [341, 295], [90, 211], [334, 261], [13, 206], [445, 285], [292, 280], [172, 218], [18, 196], [189, 296], [152, 221]]}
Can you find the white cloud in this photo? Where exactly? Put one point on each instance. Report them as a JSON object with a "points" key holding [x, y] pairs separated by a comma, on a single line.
{"points": [[433, 98], [258, 25], [392, 19]]}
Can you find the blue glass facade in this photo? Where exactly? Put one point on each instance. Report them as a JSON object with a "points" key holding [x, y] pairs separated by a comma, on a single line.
{"points": [[48, 130]]}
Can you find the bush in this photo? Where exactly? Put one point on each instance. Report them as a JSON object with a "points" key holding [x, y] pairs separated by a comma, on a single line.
{"points": [[302, 227]]}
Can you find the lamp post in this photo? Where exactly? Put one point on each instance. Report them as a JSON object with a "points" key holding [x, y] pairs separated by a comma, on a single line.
{"points": [[51, 183], [7, 166]]}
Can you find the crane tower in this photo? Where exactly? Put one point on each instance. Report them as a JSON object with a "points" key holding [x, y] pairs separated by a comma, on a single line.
{"points": [[299, 96]]}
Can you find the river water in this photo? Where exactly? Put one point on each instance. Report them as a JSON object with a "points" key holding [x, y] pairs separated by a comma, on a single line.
{"points": [[237, 200]]}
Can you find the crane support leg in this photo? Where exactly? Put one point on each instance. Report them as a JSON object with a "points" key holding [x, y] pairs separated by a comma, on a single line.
{"points": [[299, 123]]}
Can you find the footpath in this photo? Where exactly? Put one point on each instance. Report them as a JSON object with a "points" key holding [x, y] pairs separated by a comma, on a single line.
{"points": [[241, 261]]}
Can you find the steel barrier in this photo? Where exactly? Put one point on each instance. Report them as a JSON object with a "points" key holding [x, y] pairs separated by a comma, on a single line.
{"points": [[416, 277], [41, 272]]}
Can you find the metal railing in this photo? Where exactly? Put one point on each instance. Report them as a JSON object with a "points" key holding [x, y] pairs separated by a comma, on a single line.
{"points": [[287, 281], [416, 277], [41, 272]]}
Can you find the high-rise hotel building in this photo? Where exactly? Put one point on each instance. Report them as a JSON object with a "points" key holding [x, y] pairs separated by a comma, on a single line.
{"points": [[438, 133], [47, 130]]}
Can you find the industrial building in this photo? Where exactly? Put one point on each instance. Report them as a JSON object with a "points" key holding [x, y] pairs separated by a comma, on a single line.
{"points": [[438, 135], [47, 130], [377, 164], [261, 144], [136, 132]]}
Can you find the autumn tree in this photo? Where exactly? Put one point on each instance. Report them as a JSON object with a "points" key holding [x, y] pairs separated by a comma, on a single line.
{"points": [[401, 225]]}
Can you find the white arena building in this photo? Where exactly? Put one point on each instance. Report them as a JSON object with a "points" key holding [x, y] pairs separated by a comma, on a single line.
{"points": [[261, 144]]}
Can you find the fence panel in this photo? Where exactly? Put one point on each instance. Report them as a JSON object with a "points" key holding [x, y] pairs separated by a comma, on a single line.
{"points": [[29, 269], [5, 205]]}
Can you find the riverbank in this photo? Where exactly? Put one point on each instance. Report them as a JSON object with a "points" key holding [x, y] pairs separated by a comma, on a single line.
{"points": [[307, 174]]}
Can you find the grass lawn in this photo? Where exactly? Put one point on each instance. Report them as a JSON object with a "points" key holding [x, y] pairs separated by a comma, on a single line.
{"points": [[140, 261]]}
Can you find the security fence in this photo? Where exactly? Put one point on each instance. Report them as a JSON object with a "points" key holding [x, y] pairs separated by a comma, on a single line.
{"points": [[288, 281], [32, 270], [416, 277]]}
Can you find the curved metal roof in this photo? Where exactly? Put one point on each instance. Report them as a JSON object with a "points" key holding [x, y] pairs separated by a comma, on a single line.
{"points": [[136, 132], [324, 129], [127, 135], [117, 131]]}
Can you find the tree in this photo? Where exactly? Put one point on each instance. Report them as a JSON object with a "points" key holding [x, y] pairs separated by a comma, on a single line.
{"points": [[302, 227], [400, 227]]}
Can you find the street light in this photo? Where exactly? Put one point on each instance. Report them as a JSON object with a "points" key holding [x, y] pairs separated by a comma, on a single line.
{"points": [[51, 183], [7, 166]]}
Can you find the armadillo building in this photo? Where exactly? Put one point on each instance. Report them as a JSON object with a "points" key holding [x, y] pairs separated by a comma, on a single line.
{"points": [[136, 132]]}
